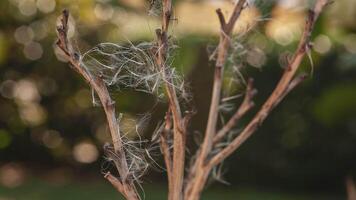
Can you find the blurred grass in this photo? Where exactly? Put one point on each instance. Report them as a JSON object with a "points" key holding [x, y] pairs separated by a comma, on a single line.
{"points": [[94, 190]]}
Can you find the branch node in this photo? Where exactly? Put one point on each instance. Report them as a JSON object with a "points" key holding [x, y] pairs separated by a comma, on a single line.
{"points": [[76, 56]]}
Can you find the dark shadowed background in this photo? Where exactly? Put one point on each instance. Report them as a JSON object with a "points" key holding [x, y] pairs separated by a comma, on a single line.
{"points": [[51, 136]]}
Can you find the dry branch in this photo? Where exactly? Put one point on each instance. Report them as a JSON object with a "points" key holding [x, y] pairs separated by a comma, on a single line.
{"points": [[198, 172], [218, 77], [166, 152], [245, 106], [126, 186], [179, 131], [204, 164], [115, 182]]}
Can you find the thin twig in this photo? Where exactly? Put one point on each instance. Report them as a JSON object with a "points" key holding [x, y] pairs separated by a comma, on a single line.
{"points": [[221, 18], [293, 84], [245, 106], [115, 182]]}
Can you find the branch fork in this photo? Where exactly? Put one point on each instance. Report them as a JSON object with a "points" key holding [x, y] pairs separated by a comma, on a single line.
{"points": [[204, 163]]}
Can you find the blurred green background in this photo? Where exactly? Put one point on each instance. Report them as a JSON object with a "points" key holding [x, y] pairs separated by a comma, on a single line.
{"points": [[51, 137]]}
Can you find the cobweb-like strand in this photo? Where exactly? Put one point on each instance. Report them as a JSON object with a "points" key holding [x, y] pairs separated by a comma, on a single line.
{"points": [[123, 66], [130, 67]]}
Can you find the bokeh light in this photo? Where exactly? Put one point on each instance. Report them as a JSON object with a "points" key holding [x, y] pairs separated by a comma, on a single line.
{"points": [[33, 51], [46, 6], [256, 57], [26, 92], [103, 11], [7, 89], [52, 139], [85, 152], [24, 34], [27, 7], [286, 25], [12, 175], [33, 114], [322, 44], [350, 43], [40, 29]]}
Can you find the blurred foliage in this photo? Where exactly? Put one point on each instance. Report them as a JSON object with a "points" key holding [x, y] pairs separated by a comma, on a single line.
{"points": [[43, 190], [47, 119]]}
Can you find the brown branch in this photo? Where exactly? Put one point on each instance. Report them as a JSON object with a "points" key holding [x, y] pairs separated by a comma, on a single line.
{"points": [[235, 15], [198, 173], [221, 18], [115, 182], [293, 84], [283, 87], [165, 147], [218, 78], [122, 188], [166, 14], [128, 189], [245, 106], [178, 126]]}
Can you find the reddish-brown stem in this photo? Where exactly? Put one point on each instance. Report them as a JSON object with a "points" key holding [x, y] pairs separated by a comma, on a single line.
{"points": [[218, 77], [122, 188], [98, 85], [115, 182], [245, 106], [165, 148], [198, 173]]}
